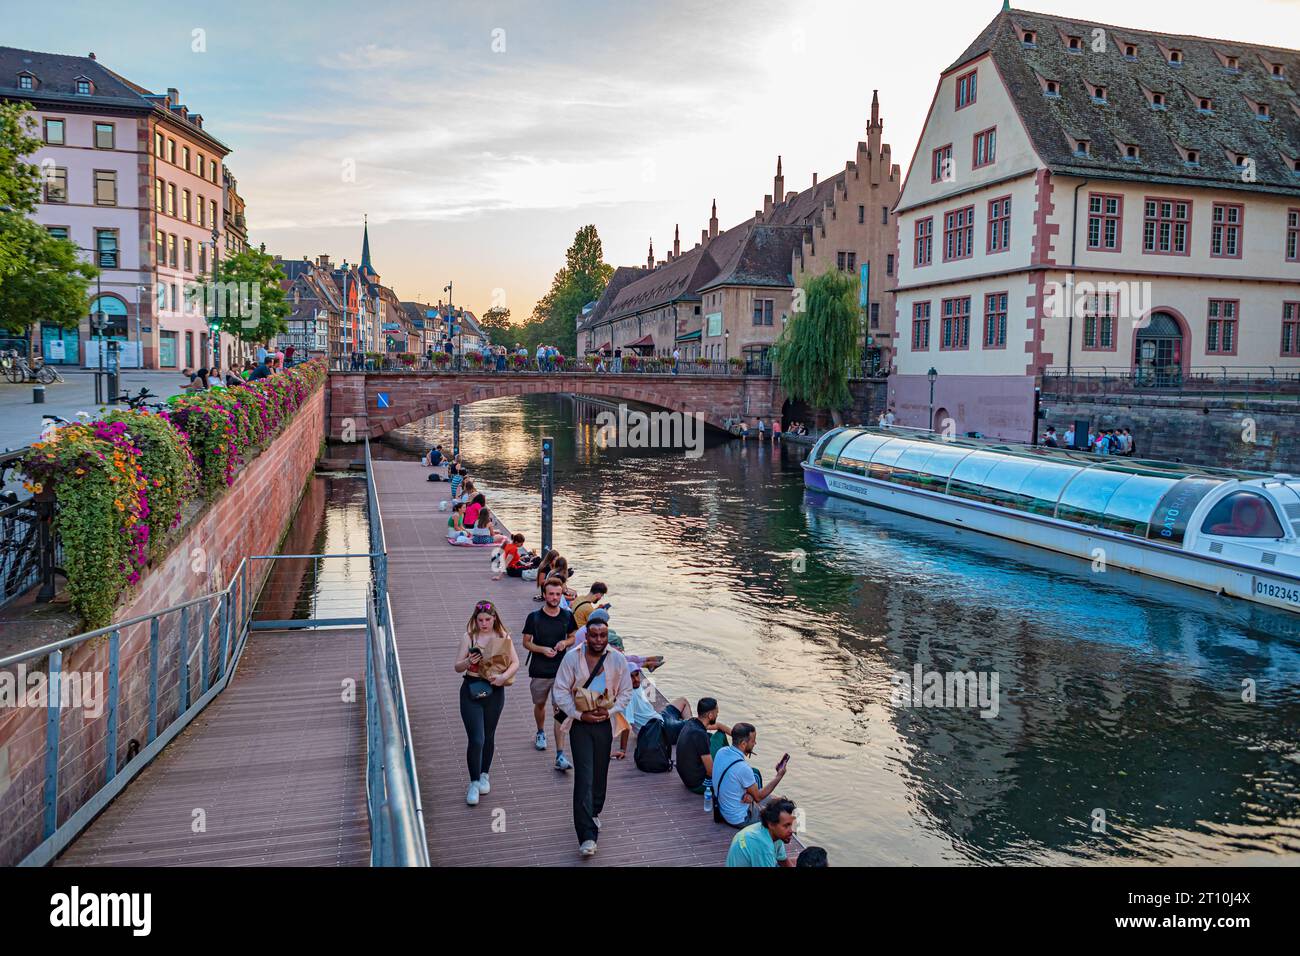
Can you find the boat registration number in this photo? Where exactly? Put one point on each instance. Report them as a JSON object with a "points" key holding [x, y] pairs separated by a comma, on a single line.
{"points": [[1277, 591]]}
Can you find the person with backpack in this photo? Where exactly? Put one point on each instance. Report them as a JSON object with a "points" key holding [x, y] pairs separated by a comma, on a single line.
{"points": [[591, 684], [698, 743], [583, 607], [639, 715], [738, 790]]}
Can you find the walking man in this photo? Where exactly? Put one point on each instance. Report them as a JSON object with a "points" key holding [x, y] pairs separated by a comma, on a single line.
{"points": [[592, 683], [548, 633]]}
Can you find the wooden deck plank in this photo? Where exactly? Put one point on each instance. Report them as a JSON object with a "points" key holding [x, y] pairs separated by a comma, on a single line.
{"points": [[649, 819], [276, 762]]}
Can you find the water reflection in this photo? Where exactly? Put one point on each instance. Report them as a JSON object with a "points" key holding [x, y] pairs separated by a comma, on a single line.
{"points": [[1118, 692]]}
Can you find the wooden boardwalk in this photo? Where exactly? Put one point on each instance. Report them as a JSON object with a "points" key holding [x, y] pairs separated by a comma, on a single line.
{"points": [[649, 819], [276, 762]]}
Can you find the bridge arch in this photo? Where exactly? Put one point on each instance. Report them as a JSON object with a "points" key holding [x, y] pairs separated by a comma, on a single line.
{"points": [[377, 402]]}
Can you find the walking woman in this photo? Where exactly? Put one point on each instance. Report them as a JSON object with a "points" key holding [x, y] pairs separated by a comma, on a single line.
{"points": [[488, 660]]}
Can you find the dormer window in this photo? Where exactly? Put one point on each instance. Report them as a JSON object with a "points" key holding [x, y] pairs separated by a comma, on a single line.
{"points": [[1074, 44], [1231, 64], [1262, 112], [26, 81], [1191, 157], [1132, 153], [1082, 148], [1240, 160], [83, 86], [1295, 165], [1157, 101], [1204, 104], [1051, 88], [1175, 57], [1098, 93], [1130, 51], [1029, 38], [1277, 71]]}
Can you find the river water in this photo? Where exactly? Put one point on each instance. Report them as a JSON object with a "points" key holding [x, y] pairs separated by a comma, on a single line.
{"points": [[1135, 720]]}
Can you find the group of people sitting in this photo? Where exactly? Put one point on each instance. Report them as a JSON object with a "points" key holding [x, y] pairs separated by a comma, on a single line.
{"points": [[1108, 441]]}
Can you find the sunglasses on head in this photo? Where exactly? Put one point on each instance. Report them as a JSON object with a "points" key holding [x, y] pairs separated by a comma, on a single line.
{"points": [[483, 606]]}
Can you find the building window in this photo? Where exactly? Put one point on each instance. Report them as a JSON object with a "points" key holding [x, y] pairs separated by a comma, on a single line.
{"points": [[875, 315], [55, 132], [1293, 235], [160, 247], [105, 187], [846, 261], [1291, 329], [1051, 88], [956, 323], [884, 215], [862, 215], [1175, 57], [1105, 218], [1098, 94], [58, 232], [1029, 38], [1166, 223], [958, 233], [212, 218], [999, 235], [185, 205], [763, 311], [106, 248], [1099, 311], [921, 327], [985, 149], [966, 89], [83, 87], [923, 253], [187, 252], [1205, 105], [185, 158], [26, 82], [158, 195], [1074, 44], [1157, 101], [105, 135], [203, 210], [889, 264], [995, 320], [171, 251], [1221, 331], [212, 167], [171, 199], [203, 258], [1225, 230], [941, 165], [1132, 153], [56, 184], [1130, 51]]}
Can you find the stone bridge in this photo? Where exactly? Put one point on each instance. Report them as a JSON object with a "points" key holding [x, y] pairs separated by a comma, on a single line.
{"points": [[377, 402]]}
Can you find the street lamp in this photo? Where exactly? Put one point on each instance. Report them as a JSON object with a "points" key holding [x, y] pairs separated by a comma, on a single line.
{"points": [[98, 324], [726, 344], [932, 375], [214, 322]]}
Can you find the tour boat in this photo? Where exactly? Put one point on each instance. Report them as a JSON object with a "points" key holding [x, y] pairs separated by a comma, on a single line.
{"points": [[1231, 532]]}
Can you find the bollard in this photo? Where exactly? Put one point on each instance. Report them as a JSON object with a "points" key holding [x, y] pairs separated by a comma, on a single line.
{"points": [[38, 394]]}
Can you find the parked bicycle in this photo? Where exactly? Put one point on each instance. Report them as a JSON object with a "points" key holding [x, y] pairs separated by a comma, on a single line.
{"points": [[140, 400], [18, 370]]}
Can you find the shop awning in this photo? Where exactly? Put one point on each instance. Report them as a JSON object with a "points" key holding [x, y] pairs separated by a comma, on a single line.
{"points": [[646, 342], [691, 336]]}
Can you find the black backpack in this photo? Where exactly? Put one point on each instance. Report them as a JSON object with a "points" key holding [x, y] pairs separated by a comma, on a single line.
{"points": [[654, 754]]}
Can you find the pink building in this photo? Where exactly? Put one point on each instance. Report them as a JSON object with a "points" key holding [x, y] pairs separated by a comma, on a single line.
{"points": [[132, 179]]}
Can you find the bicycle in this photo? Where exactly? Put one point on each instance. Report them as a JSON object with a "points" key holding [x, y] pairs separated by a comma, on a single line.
{"points": [[19, 370], [140, 401]]}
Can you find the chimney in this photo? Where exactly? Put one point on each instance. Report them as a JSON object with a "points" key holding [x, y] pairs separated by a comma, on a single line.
{"points": [[677, 240], [814, 180], [650, 259], [91, 54], [173, 96], [713, 221], [790, 195], [767, 205], [778, 182], [704, 237]]}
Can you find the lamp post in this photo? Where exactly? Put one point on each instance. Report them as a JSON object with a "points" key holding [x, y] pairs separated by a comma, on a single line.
{"points": [[97, 324], [932, 375], [726, 345], [214, 323], [451, 315]]}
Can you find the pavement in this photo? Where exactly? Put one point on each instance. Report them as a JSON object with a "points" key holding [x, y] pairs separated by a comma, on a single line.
{"points": [[20, 418]]}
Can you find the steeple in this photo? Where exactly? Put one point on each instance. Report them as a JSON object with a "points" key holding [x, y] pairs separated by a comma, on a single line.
{"points": [[650, 259], [677, 240], [778, 183], [713, 221], [366, 266]]}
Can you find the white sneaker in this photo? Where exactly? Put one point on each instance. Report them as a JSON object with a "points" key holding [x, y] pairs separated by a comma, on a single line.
{"points": [[587, 848], [472, 796], [484, 788], [596, 820], [562, 763], [540, 741]]}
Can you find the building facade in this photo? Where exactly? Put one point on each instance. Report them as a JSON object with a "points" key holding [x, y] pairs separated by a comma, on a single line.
{"points": [[1091, 198]]}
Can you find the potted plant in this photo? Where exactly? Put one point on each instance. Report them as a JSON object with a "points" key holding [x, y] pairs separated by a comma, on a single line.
{"points": [[702, 362], [475, 359], [736, 364], [441, 359], [631, 361], [520, 361]]}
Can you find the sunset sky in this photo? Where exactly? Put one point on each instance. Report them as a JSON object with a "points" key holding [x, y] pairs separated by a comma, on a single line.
{"points": [[478, 164]]}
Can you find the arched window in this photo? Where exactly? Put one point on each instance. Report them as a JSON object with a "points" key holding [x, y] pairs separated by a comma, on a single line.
{"points": [[1243, 514]]}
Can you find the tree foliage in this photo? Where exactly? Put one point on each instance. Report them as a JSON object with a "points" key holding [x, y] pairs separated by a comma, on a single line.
{"points": [[41, 277], [819, 346], [262, 305], [496, 323], [581, 280]]}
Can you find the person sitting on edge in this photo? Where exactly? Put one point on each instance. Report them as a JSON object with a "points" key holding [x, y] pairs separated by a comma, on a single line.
{"points": [[518, 560], [456, 523], [814, 856], [583, 607], [762, 843], [457, 479], [483, 532], [476, 505], [640, 710], [736, 785], [262, 371], [434, 458], [698, 743]]}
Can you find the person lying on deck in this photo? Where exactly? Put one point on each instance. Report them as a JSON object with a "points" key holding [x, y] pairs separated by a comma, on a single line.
{"points": [[641, 710]]}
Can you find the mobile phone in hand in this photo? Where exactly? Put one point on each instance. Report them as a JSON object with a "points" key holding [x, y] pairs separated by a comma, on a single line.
{"points": [[784, 760]]}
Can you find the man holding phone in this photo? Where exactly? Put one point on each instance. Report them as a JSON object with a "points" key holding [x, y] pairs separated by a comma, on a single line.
{"points": [[736, 785], [548, 633]]}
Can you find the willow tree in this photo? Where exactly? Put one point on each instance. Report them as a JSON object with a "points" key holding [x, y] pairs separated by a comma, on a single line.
{"points": [[819, 345]]}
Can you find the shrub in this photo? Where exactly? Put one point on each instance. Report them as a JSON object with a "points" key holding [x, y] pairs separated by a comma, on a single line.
{"points": [[168, 467]]}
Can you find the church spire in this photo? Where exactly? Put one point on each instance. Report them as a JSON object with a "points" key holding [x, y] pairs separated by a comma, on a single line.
{"points": [[778, 183], [366, 265], [713, 222], [650, 259], [677, 240]]}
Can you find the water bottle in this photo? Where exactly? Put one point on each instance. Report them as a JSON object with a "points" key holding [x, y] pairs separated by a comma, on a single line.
{"points": [[708, 797]]}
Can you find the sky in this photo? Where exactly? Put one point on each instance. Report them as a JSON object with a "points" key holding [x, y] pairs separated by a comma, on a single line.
{"points": [[478, 137]]}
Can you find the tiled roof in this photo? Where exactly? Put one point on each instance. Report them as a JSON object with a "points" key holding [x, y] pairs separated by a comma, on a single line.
{"points": [[679, 279], [1127, 117], [763, 259], [621, 277]]}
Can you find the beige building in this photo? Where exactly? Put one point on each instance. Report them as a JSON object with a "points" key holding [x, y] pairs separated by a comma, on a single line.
{"points": [[1093, 198]]}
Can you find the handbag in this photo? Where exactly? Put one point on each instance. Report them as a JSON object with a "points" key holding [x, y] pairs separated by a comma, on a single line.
{"points": [[585, 699], [478, 688]]}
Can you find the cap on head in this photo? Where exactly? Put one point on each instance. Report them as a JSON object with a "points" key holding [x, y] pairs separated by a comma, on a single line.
{"points": [[598, 616]]}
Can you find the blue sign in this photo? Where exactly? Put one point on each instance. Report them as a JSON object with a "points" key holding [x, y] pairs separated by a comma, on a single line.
{"points": [[382, 400], [864, 283]]}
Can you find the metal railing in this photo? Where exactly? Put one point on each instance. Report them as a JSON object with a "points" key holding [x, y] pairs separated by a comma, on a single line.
{"points": [[163, 669], [584, 366], [1225, 382], [29, 548]]}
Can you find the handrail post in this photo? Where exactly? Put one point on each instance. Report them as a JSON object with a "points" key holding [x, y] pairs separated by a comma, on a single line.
{"points": [[153, 678], [183, 664], [53, 704], [114, 691], [207, 647], [223, 630]]}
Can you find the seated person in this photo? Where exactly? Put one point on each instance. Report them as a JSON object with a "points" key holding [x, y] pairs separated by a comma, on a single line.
{"points": [[585, 605], [476, 505], [640, 710], [698, 743], [518, 559], [456, 523], [434, 458], [762, 843], [737, 787], [813, 856]]}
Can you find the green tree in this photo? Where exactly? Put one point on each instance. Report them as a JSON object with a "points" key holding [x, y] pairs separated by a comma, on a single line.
{"points": [[496, 323], [248, 297], [818, 348], [41, 277], [582, 279]]}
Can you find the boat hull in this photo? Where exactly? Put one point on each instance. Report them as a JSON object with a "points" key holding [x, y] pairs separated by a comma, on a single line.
{"points": [[1105, 549]]}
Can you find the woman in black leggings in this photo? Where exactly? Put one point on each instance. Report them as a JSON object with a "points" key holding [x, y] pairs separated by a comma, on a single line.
{"points": [[488, 660]]}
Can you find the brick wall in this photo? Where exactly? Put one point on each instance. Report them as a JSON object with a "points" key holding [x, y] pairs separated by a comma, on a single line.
{"points": [[1194, 430], [250, 518]]}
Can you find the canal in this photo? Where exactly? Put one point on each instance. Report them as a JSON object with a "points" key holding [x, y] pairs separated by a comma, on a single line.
{"points": [[1135, 720]]}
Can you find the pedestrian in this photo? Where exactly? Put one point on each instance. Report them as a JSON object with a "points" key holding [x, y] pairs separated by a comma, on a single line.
{"points": [[618, 360], [488, 660], [548, 633], [591, 683], [776, 430], [1049, 440], [677, 355]]}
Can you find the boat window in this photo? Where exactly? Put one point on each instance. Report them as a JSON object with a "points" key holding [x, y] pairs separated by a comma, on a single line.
{"points": [[1086, 498], [882, 462], [968, 477], [858, 452], [1002, 485], [1243, 514], [942, 462], [834, 444], [1043, 487], [1134, 502], [911, 468]]}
